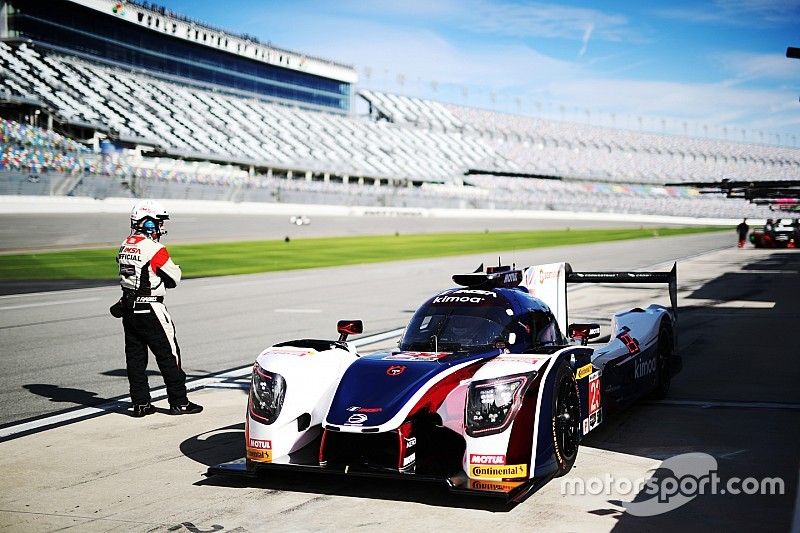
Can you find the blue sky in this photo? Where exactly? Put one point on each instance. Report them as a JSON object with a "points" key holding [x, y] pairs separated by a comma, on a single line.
{"points": [[715, 68]]}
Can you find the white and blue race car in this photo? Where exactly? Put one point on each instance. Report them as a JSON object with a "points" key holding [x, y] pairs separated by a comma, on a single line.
{"points": [[490, 389]]}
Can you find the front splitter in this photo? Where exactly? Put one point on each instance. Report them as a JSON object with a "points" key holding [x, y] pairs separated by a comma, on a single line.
{"points": [[510, 491]]}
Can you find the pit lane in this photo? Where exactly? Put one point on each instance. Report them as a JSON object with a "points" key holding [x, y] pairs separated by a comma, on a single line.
{"points": [[735, 399]]}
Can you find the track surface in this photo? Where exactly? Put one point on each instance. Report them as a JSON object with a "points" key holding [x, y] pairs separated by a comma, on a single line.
{"points": [[59, 231], [62, 348], [736, 399]]}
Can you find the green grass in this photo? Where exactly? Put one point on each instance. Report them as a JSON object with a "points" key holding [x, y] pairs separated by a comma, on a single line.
{"points": [[218, 259]]}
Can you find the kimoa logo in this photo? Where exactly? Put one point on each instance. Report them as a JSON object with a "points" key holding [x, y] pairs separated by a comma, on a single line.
{"points": [[457, 299], [645, 367]]}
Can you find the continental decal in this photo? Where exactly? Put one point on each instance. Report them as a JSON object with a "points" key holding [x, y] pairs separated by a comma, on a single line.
{"points": [[262, 456], [497, 471], [583, 371], [494, 486], [259, 450]]}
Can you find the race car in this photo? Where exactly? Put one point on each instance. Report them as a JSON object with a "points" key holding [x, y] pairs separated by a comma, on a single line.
{"points": [[490, 389], [783, 235]]}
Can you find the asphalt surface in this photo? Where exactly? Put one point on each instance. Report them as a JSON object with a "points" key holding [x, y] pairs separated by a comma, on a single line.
{"points": [[21, 232], [62, 349], [735, 399]]}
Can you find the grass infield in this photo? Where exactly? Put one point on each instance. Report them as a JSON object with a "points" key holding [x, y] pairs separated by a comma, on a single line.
{"points": [[224, 258]]}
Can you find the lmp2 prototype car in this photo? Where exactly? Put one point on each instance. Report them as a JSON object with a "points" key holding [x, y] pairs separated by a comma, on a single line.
{"points": [[784, 234], [485, 392]]}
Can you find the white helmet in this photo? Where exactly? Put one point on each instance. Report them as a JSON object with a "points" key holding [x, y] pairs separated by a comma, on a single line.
{"points": [[148, 217]]}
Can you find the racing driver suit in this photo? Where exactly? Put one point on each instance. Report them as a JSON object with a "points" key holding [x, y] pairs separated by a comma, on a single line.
{"points": [[146, 271]]}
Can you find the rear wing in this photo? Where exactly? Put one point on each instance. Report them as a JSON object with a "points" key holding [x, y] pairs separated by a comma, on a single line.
{"points": [[549, 283]]}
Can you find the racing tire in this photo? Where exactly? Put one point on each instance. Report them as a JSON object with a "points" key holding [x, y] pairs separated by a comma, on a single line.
{"points": [[566, 422], [665, 358]]}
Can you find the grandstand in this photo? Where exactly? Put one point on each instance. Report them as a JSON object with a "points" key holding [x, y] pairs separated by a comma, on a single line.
{"points": [[174, 132]]}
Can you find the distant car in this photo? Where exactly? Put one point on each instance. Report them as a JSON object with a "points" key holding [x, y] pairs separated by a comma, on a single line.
{"points": [[299, 220], [784, 235], [485, 392]]}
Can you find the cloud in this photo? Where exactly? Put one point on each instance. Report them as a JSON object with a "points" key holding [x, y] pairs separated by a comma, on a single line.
{"points": [[710, 103], [545, 20], [586, 36], [762, 13], [514, 76], [501, 18], [752, 67]]}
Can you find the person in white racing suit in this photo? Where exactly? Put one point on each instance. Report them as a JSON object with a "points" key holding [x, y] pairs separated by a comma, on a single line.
{"points": [[146, 271]]}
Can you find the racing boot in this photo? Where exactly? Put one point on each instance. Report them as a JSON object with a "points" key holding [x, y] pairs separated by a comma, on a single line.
{"points": [[187, 409], [143, 409]]}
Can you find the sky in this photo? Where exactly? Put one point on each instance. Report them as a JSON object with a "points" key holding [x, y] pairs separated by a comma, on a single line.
{"points": [[715, 68]]}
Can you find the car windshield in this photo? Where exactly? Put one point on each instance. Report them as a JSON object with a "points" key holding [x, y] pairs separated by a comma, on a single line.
{"points": [[468, 321], [455, 329]]}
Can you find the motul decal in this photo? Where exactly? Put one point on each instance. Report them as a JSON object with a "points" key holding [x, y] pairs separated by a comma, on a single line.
{"points": [[476, 459], [259, 444], [259, 450]]}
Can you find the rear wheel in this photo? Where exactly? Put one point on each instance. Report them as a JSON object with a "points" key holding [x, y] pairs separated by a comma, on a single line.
{"points": [[566, 420], [665, 349]]}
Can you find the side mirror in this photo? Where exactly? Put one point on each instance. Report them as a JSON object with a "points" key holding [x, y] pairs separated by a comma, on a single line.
{"points": [[349, 327], [583, 332]]}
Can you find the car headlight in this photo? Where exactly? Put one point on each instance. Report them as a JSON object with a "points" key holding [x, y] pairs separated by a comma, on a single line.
{"points": [[267, 391], [492, 403]]}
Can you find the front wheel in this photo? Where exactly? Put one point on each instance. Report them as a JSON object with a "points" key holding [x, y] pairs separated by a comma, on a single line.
{"points": [[566, 420]]}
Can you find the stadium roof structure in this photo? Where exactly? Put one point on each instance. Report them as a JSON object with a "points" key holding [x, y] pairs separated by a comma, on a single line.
{"points": [[779, 195]]}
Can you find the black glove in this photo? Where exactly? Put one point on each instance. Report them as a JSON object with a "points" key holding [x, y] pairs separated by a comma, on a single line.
{"points": [[117, 310], [123, 305]]}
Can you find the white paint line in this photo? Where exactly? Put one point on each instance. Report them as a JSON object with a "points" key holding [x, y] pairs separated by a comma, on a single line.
{"points": [[235, 385], [299, 311], [253, 282], [730, 304], [44, 304], [731, 454], [60, 292], [161, 393], [744, 405]]}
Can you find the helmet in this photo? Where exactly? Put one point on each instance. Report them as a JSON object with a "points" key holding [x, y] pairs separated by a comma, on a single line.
{"points": [[148, 217]]}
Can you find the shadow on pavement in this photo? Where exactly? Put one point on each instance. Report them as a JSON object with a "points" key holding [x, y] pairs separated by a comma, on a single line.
{"points": [[740, 346], [737, 336], [217, 446], [79, 397], [28, 286], [227, 444], [66, 395]]}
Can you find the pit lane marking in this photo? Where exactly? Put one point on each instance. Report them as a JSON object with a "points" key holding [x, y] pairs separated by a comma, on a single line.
{"points": [[227, 379], [44, 304]]}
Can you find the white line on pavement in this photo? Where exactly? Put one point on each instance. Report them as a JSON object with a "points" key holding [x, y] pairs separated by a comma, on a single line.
{"points": [[298, 311], [44, 304]]}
